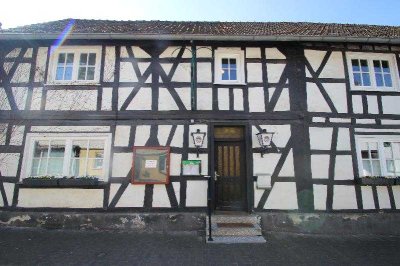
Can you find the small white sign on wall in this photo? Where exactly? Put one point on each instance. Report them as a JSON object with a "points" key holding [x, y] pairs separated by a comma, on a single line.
{"points": [[150, 164]]}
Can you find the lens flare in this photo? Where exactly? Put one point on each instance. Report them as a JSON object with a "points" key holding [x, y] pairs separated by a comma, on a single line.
{"points": [[63, 36]]}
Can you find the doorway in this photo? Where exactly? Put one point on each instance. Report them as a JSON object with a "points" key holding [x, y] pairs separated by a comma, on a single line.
{"points": [[230, 168]]}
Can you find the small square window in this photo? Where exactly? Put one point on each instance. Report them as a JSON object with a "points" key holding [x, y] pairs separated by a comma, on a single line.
{"points": [[378, 157], [372, 71], [229, 68], [76, 64]]}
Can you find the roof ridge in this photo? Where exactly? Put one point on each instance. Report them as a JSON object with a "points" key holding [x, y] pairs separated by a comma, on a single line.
{"points": [[208, 28], [205, 21]]}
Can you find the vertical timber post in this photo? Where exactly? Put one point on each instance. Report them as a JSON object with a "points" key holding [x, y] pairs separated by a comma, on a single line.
{"points": [[300, 131], [193, 89]]}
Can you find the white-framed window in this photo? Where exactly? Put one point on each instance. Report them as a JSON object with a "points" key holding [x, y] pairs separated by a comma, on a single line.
{"points": [[229, 66], [67, 155], [378, 156], [75, 65], [373, 71]]}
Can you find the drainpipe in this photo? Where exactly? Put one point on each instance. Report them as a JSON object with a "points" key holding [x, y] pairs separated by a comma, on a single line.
{"points": [[193, 89]]}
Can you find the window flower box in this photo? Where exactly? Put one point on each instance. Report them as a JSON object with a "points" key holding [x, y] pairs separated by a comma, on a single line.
{"points": [[41, 181], [79, 181], [377, 180]]}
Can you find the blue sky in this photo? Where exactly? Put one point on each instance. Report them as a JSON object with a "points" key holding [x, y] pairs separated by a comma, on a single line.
{"points": [[381, 12]]}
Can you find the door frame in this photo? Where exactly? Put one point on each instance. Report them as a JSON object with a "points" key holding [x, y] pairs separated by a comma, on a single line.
{"points": [[248, 163]]}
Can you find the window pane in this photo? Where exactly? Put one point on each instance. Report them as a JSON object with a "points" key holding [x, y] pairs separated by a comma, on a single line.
{"points": [[376, 168], [232, 61], [61, 58], [379, 80], [82, 73], [79, 154], [95, 167], [233, 74], [374, 154], [59, 73], [98, 161], [373, 145], [366, 81], [364, 145], [95, 162], [92, 59], [87, 160], [83, 59], [364, 65], [388, 150], [390, 166], [90, 73], [377, 66], [56, 157], [355, 64], [357, 79], [388, 80], [70, 58], [366, 168], [225, 75], [397, 165], [396, 150], [39, 161], [68, 73], [364, 154], [41, 148], [39, 167], [96, 145], [385, 66], [57, 148], [55, 166], [225, 63]]}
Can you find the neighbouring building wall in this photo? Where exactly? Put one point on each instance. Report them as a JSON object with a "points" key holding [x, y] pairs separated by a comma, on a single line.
{"points": [[302, 92]]}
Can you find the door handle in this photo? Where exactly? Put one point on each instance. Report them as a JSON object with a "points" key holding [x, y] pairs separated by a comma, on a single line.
{"points": [[216, 175]]}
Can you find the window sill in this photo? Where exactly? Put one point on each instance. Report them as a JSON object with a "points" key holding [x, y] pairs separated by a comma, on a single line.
{"points": [[62, 183], [230, 84], [375, 90], [73, 84], [382, 181]]}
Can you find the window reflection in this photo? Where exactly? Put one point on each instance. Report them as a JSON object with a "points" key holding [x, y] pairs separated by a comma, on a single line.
{"points": [[87, 158], [48, 157]]}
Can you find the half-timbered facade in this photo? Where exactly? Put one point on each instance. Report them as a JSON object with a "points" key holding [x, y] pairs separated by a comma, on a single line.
{"points": [[76, 96]]}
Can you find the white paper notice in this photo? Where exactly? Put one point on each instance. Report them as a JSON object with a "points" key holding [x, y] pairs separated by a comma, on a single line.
{"points": [[150, 164]]}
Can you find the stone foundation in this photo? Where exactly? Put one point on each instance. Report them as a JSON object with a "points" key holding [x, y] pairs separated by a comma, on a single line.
{"points": [[314, 223]]}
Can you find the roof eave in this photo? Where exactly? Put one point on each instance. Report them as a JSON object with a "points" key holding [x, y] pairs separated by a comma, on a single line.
{"points": [[203, 37]]}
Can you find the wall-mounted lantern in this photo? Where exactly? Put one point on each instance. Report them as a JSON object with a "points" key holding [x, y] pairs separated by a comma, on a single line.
{"points": [[264, 139], [198, 139]]}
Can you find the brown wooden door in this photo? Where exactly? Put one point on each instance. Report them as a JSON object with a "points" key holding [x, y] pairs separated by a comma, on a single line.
{"points": [[230, 174]]}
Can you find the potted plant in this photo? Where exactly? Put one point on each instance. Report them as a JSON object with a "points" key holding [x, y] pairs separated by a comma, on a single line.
{"points": [[38, 181], [78, 181]]}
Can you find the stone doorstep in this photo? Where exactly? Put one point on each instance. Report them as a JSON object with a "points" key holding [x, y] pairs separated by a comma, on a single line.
{"points": [[254, 219], [237, 226], [236, 240], [237, 232], [255, 230]]}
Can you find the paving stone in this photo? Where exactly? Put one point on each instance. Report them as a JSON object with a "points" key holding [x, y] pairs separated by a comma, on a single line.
{"points": [[20, 246]]}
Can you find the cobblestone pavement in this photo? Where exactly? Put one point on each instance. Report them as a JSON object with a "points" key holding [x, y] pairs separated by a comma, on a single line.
{"points": [[66, 247]]}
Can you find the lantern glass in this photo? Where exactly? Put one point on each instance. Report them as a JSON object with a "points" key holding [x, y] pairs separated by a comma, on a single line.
{"points": [[265, 138], [198, 138]]}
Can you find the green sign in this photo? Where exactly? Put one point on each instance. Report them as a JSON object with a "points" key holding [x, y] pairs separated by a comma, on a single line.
{"points": [[191, 167], [191, 162]]}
